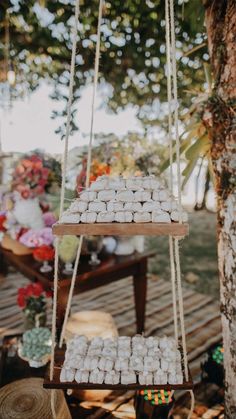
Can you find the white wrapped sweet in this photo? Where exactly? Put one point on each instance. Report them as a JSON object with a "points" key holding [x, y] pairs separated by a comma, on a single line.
{"points": [[78, 206], [136, 363], [174, 378], [90, 363], [151, 206], [174, 205], [92, 351], [106, 195], [112, 377], [128, 377], [155, 183], [106, 364], [145, 378], [97, 206], [160, 217], [160, 377], [76, 362], [82, 376], [169, 354], [124, 342], [109, 352], [155, 196], [137, 340], [88, 195], [134, 183], [175, 216], [133, 206], [124, 217], [96, 342], [68, 217], [142, 217], [79, 340], [110, 343], [115, 206], [167, 342], [96, 376], [67, 375], [125, 195], [116, 183], [152, 341], [151, 363], [166, 205], [138, 346], [166, 365], [142, 196], [124, 352], [155, 351], [99, 184], [105, 217], [164, 195], [88, 217], [146, 180], [121, 364]]}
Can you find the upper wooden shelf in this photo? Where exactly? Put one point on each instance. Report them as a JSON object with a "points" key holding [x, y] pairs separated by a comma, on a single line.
{"points": [[122, 229]]}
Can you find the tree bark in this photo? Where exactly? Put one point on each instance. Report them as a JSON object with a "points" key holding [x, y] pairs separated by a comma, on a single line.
{"points": [[220, 116]]}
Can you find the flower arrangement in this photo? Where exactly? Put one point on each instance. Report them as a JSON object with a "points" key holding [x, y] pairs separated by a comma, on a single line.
{"points": [[97, 169], [36, 238], [44, 254], [32, 300], [30, 177]]}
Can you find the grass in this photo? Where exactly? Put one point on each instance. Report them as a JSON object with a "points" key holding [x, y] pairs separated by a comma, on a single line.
{"points": [[198, 254]]}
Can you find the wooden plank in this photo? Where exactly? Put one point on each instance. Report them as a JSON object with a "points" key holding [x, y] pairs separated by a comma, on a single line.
{"points": [[122, 229], [56, 384]]}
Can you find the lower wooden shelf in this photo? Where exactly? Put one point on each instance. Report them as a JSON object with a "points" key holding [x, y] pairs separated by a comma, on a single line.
{"points": [[57, 384]]}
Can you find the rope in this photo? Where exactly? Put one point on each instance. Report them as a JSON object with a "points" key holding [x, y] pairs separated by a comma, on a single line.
{"points": [[173, 283], [192, 404], [96, 70], [181, 310], [176, 114], [69, 105], [68, 306], [54, 309], [169, 92], [53, 407]]}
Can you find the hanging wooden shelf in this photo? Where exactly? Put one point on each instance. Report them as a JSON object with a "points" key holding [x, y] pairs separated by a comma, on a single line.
{"points": [[57, 384], [122, 229]]}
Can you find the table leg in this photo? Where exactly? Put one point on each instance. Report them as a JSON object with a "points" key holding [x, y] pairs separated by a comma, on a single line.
{"points": [[140, 292]]}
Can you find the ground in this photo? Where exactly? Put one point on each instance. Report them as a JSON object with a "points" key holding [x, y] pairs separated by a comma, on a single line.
{"points": [[198, 255]]}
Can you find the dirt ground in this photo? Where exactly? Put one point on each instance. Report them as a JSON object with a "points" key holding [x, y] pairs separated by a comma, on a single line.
{"points": [[198, 255]]}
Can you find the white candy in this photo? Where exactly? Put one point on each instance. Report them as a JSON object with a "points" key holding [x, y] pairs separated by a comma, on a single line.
{"points": [[175, 216], [125, 196], [155, 351], [152, 341], [160, 377], [142, 217], [155, 196], [128, 377], [116, 183], [90, 363], [105, 364], [82, 376], [142, 196], [166, 206], [174, 205], [169, 354], [88, 217], [167, 342], [164, 195], [70, 218], [147, 182], [110, 353], [151, 206], [112, 377], [96, 377], [155, 183], [97, 206], [137, 340], [99, 184], [67, 375], [124, 217], [105, 217], [133, 206], [124, 352], [165, 365], [136, 363], [121, 364], [124, 342], [108, 343], [106, 195], [151, 363], [94, 351], [88, 196], [96, 342], [115, 206], [174, 378], [145, 378], [78, 363], [134, 184], [78, 206], [160, 217]]}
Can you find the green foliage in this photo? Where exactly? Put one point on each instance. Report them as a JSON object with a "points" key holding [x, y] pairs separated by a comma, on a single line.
{"points": [[132, 50]]}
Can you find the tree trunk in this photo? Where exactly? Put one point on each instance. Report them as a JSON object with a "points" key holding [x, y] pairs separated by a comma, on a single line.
{"points": [[221, 119]]}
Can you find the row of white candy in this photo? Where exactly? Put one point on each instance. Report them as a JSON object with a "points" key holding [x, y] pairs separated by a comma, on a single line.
{"points": [[124, 195], [133, 183]]}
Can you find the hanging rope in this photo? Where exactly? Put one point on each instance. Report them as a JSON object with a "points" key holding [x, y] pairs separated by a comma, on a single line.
{"points": [[96, 70], [69, 106]]}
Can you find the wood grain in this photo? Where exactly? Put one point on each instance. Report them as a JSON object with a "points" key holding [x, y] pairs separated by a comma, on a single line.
{"points": [[122, 229]]}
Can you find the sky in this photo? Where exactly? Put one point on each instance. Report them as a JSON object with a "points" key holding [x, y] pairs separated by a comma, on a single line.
{"points": [[28, 125]]}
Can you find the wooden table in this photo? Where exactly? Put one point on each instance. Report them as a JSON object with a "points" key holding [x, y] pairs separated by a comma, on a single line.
{"points": [[111, 269]]}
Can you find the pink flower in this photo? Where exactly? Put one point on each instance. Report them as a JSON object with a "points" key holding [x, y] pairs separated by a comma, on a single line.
{"points": [[36, 238], [49, 219]]}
